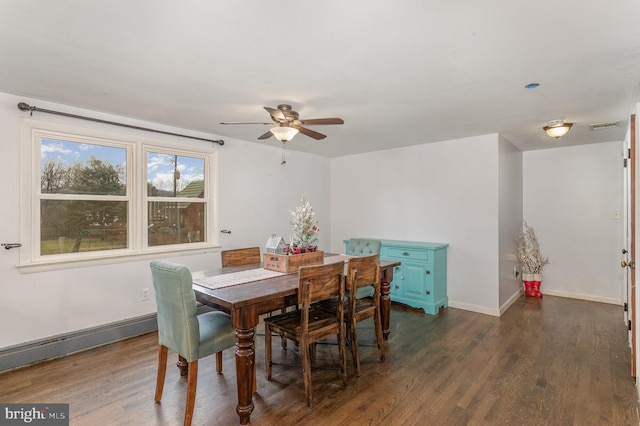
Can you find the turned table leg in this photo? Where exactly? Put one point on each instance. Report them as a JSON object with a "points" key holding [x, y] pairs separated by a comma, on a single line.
{"points": [[386, 276], [245, 320], [182, 365]]}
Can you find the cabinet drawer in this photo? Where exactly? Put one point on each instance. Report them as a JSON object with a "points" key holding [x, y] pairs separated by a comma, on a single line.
{"points": [[407, 254]]}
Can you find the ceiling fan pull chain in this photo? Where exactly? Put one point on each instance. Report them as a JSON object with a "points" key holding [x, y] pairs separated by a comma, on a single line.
{"points": [[283, 162]]}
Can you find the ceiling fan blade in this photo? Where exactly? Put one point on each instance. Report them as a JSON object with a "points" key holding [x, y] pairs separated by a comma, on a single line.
{"points": [[312, 134], [315, 121], [242, 122], [276, 114], [266, 135]]}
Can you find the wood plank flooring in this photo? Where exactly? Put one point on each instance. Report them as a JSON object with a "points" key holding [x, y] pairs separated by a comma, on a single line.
{"points": [[553, 361]]}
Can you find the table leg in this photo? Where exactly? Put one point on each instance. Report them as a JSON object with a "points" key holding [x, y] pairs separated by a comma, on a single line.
{"points": [[183, 366], [386, 276], [245, 321]]}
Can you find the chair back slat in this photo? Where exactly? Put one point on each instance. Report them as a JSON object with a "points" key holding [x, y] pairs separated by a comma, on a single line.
{"points": [[240, 257], [318, 283], [364, 271]]}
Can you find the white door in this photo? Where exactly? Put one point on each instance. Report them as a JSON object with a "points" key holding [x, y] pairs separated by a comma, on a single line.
{"points": [[628, 251]]}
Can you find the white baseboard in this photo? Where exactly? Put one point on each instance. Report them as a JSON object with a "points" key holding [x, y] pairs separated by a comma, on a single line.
{"points": [[582, 296], [516, 296], [474, 308], [506, 305]]}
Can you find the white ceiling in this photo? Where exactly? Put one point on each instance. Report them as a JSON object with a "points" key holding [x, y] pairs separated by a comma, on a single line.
{"points": [[398, 72]]}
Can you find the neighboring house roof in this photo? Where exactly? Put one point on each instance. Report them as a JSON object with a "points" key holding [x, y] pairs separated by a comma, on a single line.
{"points": [[194, 189]]}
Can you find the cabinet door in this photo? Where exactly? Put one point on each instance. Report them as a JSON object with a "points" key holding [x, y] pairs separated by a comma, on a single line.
{"points": [[413, 275]]}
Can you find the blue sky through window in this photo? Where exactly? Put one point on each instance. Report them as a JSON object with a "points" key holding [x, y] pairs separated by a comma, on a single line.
{"points": [[160, 166], [160, 170], [69, 153]]}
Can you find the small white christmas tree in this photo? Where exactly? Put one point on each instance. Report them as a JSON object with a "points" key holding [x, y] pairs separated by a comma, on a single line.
{"points": [[529, 257], [304, 226]]}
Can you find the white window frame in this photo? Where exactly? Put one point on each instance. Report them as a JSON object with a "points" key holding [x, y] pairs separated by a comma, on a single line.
{"points": [[31, 131], [146, 198]]}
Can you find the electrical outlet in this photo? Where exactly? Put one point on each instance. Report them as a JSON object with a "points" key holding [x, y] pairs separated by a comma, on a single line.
{"points": [[144, 293], [515, 272]]}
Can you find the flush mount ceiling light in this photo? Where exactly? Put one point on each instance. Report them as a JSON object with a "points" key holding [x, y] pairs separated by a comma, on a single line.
{"points": [[284, 133], [557, 128]]}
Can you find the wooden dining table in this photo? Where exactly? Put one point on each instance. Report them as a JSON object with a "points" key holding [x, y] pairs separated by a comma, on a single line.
{"points": [[245, 303]]}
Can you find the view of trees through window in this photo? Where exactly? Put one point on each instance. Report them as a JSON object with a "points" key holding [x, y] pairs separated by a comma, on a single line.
{"points": [[94, 195], [86, 201], [83, 204]]}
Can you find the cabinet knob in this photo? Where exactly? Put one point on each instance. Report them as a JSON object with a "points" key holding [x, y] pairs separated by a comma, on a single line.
{"points": [[428, 292], [428, 272], [406, 254], [397, 286], [402, 277]]}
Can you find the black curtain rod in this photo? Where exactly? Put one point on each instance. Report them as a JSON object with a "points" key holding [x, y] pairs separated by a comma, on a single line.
{"points": [[26, 107]]}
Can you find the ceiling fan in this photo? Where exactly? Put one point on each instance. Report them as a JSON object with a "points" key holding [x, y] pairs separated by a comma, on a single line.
{"points": [[288, 124]]}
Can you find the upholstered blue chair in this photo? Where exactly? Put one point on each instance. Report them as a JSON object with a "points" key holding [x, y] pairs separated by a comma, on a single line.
{"points": [[364, 247], [180, 329]]}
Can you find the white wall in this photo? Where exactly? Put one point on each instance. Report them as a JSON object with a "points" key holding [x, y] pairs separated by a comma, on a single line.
{"points": [[509, 220], [256, 194], [571, 198], [463, 192], [442, 192]]}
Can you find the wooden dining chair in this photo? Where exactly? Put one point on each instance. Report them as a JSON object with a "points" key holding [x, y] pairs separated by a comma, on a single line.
{"points": [[364, 247], [308, 325], [363, 272], [180, 329], [240, 257]]}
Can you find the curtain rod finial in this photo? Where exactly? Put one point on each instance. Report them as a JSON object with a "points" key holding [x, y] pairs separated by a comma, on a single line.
{"points": [[22, 106]]}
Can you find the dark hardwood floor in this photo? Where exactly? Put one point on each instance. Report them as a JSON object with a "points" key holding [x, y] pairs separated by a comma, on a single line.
{"points": [[553, 361]]}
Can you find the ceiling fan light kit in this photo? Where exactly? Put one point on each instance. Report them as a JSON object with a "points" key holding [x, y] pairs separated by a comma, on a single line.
{"points": [[557, 128], [284, 133]]}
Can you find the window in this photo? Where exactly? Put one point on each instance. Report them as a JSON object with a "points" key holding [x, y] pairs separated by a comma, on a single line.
{"points": [[94, 196], [83, 196], [176, 207]]}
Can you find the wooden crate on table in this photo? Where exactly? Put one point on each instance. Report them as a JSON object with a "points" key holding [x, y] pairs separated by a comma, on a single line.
{"points": [[292, 262]]}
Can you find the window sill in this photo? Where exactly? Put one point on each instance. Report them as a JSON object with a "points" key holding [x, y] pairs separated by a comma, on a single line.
{"points": [[29, 268]]}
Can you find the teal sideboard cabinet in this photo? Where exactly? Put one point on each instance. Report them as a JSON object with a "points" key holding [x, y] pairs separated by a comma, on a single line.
{"points": [[421, 279]]}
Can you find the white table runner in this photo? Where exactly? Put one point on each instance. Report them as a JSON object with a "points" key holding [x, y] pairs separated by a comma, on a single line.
{"points": [[250, 275], [236, 278]]}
